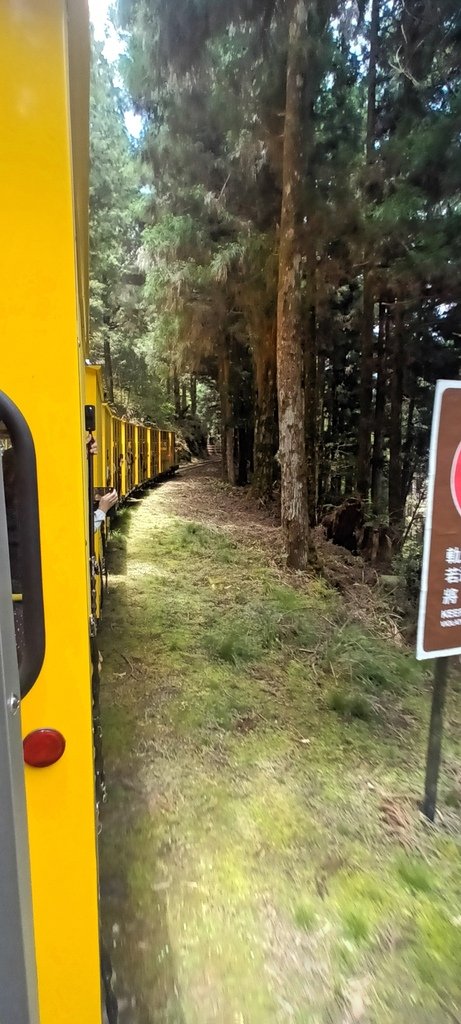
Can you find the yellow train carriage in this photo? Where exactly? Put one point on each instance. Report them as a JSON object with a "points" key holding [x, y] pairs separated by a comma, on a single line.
{"points": [[50, 972], [43, 310], [130, 454]]}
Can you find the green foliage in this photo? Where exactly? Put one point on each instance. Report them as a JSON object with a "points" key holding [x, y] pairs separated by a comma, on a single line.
{"points": [[380, 209], [112, 194], [118, 313]]}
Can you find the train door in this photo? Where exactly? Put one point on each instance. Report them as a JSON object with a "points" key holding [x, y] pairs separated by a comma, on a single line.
{"points": [[142, 463], [129, 456], [94, 398], [148, 473], [159, 449], [164, 450], [18, 975], [120, 463], [155, 454], [171, 449], [136, 443], [109, 475]]}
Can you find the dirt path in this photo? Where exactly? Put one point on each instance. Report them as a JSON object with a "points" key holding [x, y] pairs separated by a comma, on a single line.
{"points": [[262, 857]]}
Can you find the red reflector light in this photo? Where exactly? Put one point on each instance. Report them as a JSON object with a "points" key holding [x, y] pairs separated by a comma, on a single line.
{"points": [[43, 747]]}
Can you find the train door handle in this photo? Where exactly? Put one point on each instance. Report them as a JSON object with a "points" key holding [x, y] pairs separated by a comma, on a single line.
{"points": [[29, 543]]}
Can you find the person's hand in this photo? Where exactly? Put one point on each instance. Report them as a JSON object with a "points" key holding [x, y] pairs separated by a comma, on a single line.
{"points": [[92, 446], [108, 501]]}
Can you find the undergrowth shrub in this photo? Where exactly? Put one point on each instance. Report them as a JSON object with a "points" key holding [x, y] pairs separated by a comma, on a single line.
{"points": [[356, 924], [408, 567], [304, 915], [364, 658], [415, 874], [353, 705], [200, 540], [232, 643]]}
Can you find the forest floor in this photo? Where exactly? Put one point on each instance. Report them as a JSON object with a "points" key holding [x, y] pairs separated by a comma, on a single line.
{"points": [[263, 858]]}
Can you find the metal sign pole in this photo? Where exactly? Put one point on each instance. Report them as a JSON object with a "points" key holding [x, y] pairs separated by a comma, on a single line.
{"points": [[434, 746], [18, 981]]}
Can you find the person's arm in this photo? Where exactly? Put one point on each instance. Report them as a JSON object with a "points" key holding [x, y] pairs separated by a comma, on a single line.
{"points": [[105, 503], [99, 517]]}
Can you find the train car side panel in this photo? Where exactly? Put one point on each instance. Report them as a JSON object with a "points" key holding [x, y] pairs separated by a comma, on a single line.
{"points": [[40, 328]]}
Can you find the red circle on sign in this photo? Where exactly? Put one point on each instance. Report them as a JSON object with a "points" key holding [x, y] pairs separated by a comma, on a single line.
{"points": [[455, 479]]}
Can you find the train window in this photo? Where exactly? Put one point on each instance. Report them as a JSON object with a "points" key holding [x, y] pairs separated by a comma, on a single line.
{"points": [[19, 477], [12, 520]]}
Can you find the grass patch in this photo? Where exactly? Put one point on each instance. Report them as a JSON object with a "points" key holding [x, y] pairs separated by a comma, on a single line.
{"points": [[356, 925], [305, 915], [350, 705], [251, 815], [362, 657], [437, 952], [232, 642], [415, 874], [453, 797]]}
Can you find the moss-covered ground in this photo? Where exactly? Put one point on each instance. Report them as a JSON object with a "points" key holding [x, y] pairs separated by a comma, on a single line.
{"points": [[263, 858]]}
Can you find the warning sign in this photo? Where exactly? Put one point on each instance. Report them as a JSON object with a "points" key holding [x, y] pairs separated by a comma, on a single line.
{"points": [[439, 623]]}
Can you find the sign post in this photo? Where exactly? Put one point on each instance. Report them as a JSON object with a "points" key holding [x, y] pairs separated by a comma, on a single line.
{"points": [[434, 745], [439, 620]]}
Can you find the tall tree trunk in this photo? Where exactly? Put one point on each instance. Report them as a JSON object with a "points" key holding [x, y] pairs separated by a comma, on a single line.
{"points": [[371, 80], [408, 457], [366, 389], [176, 393], [244, 445], [227, 427], [183, 396], [311, 388], [377, 466], [289, 301], [108, 371], [193, 394], [222, 401], [323, 419], [265, 433], [396, 511], [336, 430], [368, 319]]}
